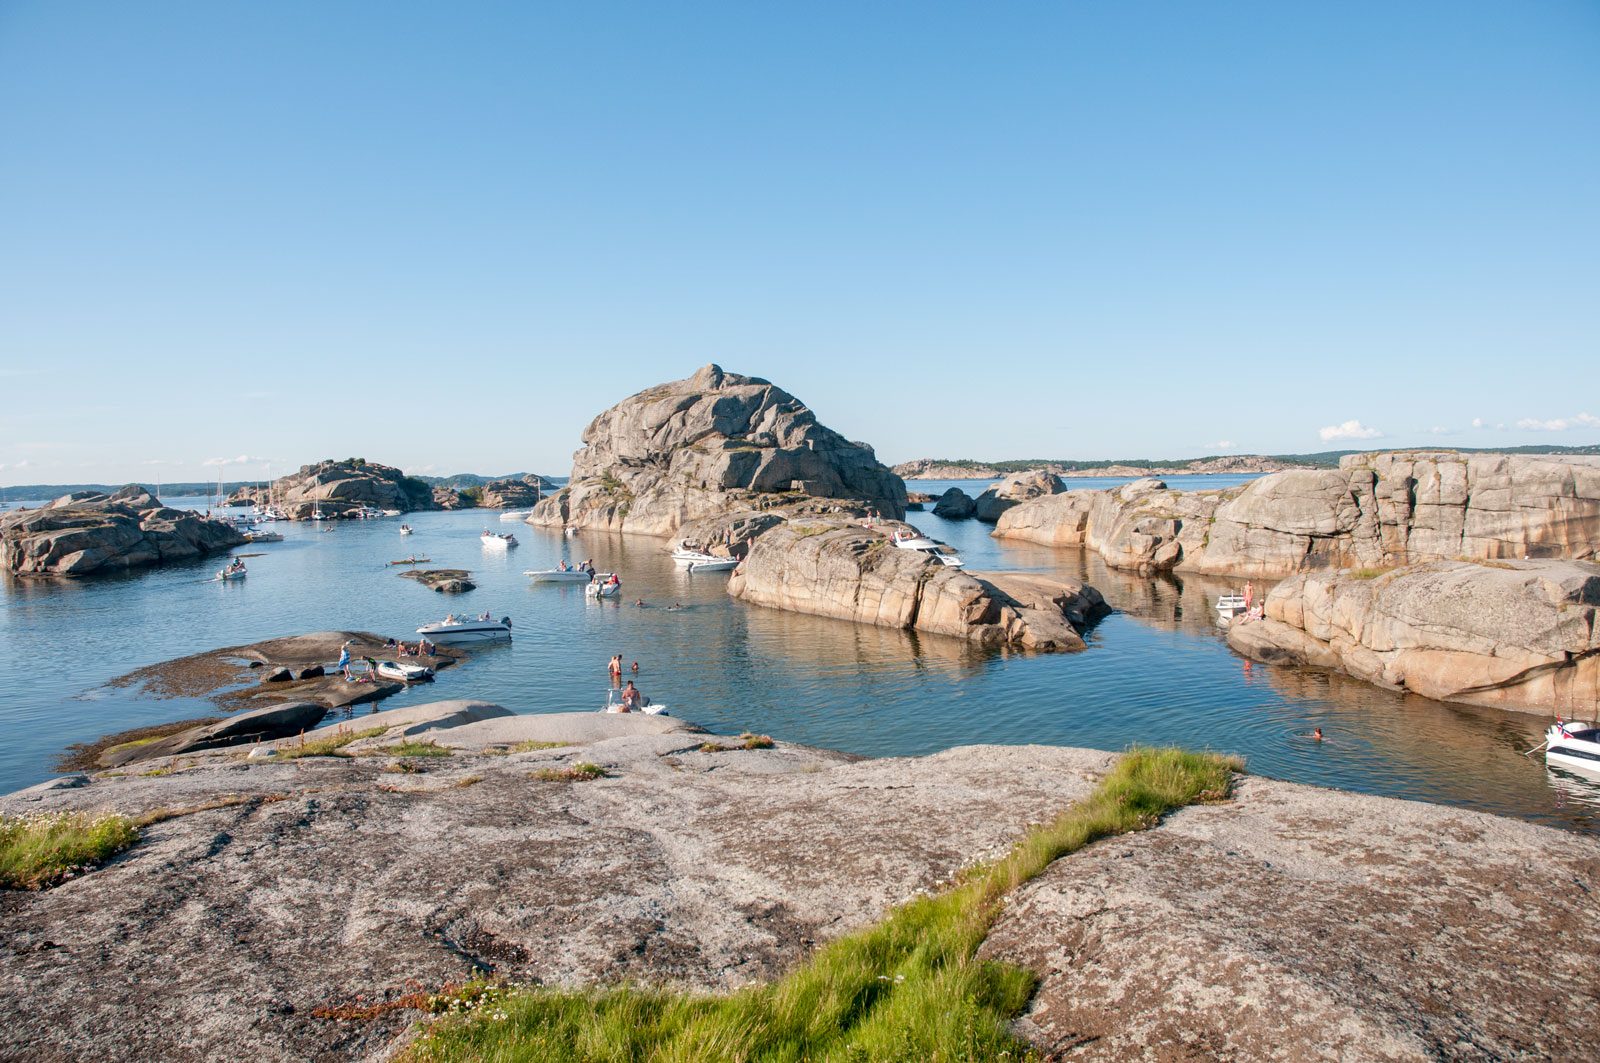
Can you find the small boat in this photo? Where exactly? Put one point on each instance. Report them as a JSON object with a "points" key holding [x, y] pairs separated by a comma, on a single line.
{"points": [[1575, 746], [911, 539], [502, 541], [405, 529], [457, 629], [649, 708], [716, 564], [406, 673], [390, 513], [232, 572], [559, 575], [602, 587], [412, 560], [1230, 606], [263, 537], [570, 532], [685, 556], [516, 514]]}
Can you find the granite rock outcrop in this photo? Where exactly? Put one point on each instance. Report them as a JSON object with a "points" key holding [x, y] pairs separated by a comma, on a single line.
{"points": [[1510, 634], [1375, 510], [954, 504], [1014, 489], [854, 573], [87, 532], [338, 489], [713, 443]]}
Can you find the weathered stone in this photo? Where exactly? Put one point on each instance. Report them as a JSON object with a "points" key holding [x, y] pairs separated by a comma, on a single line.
{"points": [[86, 532], [443, 580], [1375, 510], [338, 488], [258, 725], [706, 446], [1016, 488], [1511, 634], [311, 672], [277, 675], [853, 573], [954, 504]]}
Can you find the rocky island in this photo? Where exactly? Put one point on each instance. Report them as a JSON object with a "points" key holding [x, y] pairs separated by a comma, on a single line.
{"points": [[961, 469], [337, 489], [418, 848], [705, 446], [88, 532]]}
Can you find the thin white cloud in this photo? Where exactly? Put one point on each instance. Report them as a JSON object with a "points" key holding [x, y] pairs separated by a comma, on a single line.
{"points": [[1559, 424], [1478, 422], [23, 464], [1348, 430], [242, 459], [1441, 430], [1223, 444]]}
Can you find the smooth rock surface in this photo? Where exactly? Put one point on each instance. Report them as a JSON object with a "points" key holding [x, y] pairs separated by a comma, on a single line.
{"points": [[1375, 510], [86, 533], [1296, 923], [708, 445], [1511, 634], [256, 725], [854, 573], [954, 504], [1014, 489], [443, 580]]}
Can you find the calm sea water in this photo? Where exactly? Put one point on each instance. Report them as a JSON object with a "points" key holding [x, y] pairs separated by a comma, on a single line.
{"points": [[1156, 671]]}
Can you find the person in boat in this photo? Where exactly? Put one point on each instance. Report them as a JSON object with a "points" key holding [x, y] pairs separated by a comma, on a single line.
{"points": [[562, 567], [485, 617], [615, 580], [632, 698]]}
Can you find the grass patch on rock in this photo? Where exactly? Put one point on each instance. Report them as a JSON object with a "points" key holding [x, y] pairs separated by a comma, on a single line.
{"points": [[579, 772], [40, 850], [530, 746], [909, 988], [413, 749], [330, 744]]}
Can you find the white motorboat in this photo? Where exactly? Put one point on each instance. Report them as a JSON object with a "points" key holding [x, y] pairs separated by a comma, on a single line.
{"points": [[406, 673], [263, 537], [1230, 606], [685, 556], [603, 587], [558, 575], [390, 513], [405, 529], [501, 541], [570, 532], [911, 539], [234, 571], [456, 629], [648, 707], [1575, 746], [367, 513], [515, 514], [716, 564]]}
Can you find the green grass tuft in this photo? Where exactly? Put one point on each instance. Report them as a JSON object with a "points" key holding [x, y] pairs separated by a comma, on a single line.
{"points": [[414, 749], [40, 850], [910, 988], [579, 772], [329, 745]]}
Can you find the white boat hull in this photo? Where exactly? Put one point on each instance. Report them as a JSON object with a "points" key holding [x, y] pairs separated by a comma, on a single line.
{"points": [[603, 590], [406, 673], [554, 575], [456, 634], [723, 564]]}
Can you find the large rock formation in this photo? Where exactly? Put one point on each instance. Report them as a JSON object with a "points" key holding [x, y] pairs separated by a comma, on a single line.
{"points": [[1290, 922], [257, 725], [954, 504], [339, 488], [88, 532], [708, 445], [853, 573], [492, 494], [1374, 510], [1512, 634], [1014, 489]]}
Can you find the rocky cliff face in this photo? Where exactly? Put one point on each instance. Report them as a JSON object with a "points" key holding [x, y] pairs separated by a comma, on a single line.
{"points": [[86, 532], [1014, 489], [1511, 634], [707, 445], [1374, 510], [339, 488], [853, 573]]}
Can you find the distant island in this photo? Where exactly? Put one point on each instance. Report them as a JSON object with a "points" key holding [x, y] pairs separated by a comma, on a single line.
{"points": [[1226, 464]]}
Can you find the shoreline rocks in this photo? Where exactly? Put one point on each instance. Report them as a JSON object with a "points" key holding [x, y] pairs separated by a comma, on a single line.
{"points": [[337, 489], [1236, 464], [1223, 930], [707, 446], [1014, 489], [852, 573], [1375, 510], [87, 532], [1522, 635]]}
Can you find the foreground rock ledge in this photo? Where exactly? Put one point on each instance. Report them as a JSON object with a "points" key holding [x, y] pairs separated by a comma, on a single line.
{"points": [[336, 879]]}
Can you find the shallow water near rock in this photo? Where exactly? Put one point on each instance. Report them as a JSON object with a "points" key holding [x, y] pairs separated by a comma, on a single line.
{"points": [[1156, 671]]}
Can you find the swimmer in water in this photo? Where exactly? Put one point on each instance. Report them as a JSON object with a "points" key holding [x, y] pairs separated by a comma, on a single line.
{"points": [[1316, 735]]}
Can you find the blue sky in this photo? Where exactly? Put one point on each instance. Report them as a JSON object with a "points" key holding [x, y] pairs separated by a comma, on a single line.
{"points": [[445, 236]]}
